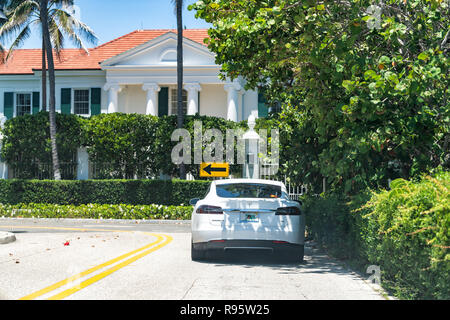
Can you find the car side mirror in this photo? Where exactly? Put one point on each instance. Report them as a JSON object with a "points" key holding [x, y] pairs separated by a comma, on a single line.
{"points": [[193, 202]]}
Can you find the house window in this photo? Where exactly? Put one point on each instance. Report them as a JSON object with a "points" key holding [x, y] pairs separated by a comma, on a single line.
{"points": [[174, 101], [23, 104], [81, 102]]}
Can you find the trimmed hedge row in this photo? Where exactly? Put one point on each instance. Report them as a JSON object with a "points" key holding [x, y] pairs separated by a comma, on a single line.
{"points": [[120, 146], [405, 231], [96, 211], [132, 192]]}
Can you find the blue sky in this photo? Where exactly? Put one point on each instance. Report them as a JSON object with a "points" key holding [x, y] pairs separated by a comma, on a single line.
{"points": [[113, 18]]}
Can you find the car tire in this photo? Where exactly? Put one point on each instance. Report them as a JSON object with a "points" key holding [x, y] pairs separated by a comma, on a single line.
{"points": [[301, 254], [197, 254], [294, 256]]}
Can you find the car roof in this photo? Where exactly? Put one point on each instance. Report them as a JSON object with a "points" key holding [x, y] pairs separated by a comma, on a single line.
{"points": [[249, 181]]}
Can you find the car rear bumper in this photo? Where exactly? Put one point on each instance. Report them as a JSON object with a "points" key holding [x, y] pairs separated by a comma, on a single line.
{"points": [[251, 245]]}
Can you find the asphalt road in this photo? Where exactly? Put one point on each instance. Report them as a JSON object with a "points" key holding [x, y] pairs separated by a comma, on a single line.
{"points": [[104, 260]]}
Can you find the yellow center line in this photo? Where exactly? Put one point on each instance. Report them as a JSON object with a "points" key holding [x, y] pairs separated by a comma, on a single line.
{"points": [[162, 240], [106, 273]]}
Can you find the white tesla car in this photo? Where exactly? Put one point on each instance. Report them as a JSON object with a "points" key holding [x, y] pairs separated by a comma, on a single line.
{"points": [[248, 214]]}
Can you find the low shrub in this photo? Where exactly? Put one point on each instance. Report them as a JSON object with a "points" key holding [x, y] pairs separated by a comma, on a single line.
{"points": [[26, 145], [407, 234], [405, 231], [96, 211], [132, 192]]}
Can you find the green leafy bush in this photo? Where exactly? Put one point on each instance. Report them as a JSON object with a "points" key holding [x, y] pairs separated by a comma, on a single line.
{"points": [[122, 145], [96, 211], [407, 234], [26, 144], [405, 231], [132, 192]]}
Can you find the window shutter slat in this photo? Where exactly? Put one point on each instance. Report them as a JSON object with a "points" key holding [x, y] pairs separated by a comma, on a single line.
{"points": [[263, 109], [66, 101], [96, 101], [9, 105], [36, 102], [163, 102]]}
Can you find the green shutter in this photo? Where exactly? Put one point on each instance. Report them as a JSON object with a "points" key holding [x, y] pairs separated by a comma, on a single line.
{"points": [[66, 101], [263, 110], [9, 105], [163, 102], [96, 101], [36, 102]]}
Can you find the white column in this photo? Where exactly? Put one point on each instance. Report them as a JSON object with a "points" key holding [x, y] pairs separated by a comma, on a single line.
{"points": [[3, 165], [233, 100], [113, 97], [241, 105], [152, 102], [83, 164], [192, 89]]}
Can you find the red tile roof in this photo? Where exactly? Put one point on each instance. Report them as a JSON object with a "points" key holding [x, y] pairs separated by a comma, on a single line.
{"points": [[24, 61]]}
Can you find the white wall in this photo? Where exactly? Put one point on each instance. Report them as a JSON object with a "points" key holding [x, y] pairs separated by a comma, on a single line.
{"points": [[213, 101], [250, 104], [132, 99]]}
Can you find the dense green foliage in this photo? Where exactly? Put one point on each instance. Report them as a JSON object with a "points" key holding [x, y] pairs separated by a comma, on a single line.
{"points": [[96, 211], [132, 192], [26, 145], [365, 98], [120, 146], [405, 231]]}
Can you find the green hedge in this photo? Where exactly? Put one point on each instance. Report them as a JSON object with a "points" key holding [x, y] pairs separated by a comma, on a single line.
{"points": [[96, 211], [120, 146], [405, 231], [133, 192], [26, 145]]}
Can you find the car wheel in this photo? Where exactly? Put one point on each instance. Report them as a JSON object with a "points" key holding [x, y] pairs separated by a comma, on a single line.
{"points": [[197, 254], [295, 255]]}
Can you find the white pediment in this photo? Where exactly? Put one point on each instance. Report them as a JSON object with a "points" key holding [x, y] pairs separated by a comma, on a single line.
{"points": [[162, 51]]}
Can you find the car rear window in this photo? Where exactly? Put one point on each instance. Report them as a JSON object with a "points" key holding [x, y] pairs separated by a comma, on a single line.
{"points": [[247, 190]]}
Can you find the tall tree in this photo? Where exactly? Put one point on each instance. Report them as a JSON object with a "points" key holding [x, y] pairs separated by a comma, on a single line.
{"points": [[56, 21], [364, 85], [180, 116], [51, 75]]}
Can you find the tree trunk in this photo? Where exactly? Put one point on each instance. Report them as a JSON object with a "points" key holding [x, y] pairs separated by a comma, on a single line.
{"points": [[51, 76], [180, 118], [44, 77]]}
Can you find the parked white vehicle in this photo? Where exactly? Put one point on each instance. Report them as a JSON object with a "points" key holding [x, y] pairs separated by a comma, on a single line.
{"points": [[248, 214]]}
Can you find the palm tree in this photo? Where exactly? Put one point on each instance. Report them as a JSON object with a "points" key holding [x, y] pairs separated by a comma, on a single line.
{"points": [[55, 22], [180, 117]]}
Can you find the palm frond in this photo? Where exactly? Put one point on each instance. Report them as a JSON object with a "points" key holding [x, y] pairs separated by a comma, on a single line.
{"points": [[56, 37], [20, 39], [75, 29], [17, 18], [2, 53]]}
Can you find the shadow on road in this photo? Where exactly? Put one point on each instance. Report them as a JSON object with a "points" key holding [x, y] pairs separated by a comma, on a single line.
{"points": [[315, 262]]}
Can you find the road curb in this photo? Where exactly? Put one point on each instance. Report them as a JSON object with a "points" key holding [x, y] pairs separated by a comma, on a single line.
{"points": [[6, 237], [102, 221]]}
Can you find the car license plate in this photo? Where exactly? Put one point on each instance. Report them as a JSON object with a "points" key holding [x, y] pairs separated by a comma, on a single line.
{"points": [[249, 217]]}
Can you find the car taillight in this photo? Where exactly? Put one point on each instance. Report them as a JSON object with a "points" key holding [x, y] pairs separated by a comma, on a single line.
{"points": [[288, 211], [209, 210]]}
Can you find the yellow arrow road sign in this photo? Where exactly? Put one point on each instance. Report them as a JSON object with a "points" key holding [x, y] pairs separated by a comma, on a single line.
{"points": [[216, 170]]}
